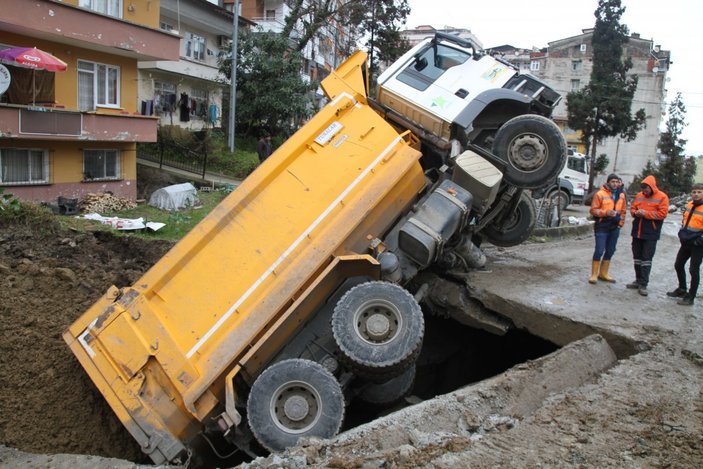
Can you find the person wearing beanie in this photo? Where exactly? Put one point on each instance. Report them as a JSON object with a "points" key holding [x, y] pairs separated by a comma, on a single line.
{"points": [[608, 209], [649, 209], [691, 239]]}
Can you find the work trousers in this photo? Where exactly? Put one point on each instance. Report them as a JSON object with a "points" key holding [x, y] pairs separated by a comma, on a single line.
{"points": [[606, 242], [686, 252], [642, 253]]}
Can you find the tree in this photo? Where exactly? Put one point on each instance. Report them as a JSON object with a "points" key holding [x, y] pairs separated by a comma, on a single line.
{"points": [[378, 21], [271, 93], [676, 173], [603, 107]]}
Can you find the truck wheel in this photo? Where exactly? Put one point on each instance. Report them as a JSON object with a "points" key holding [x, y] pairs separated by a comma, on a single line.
{"points": [[293, 399], [516, 227], [533, 149], [390, 392], [378, 327], [559, 198]]}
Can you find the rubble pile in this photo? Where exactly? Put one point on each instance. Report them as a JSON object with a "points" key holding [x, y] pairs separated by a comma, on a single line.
{"points": [[105, 202], [678, 202]]}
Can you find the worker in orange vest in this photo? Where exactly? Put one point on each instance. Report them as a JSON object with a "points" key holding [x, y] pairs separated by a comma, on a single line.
{"points": [[691, 238], [608, 209], [649, 209]]}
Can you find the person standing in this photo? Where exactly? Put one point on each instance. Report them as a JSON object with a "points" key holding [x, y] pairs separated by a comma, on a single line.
{"points": [[649, 209], [608, 209], [264, 147], [691, 239]]}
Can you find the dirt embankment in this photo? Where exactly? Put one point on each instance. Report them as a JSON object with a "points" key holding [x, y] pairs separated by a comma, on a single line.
{"points": [[48, 279]]}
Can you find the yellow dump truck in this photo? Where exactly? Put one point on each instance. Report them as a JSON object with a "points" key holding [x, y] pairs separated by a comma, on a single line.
{"points": [[298, 292]]}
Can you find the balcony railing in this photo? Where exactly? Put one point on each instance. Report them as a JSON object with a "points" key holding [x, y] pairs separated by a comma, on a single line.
{"points": [[40, 122]]}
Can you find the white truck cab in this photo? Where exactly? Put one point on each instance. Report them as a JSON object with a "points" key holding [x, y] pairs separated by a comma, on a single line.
{"points": [[572, 183], [452, 95]]}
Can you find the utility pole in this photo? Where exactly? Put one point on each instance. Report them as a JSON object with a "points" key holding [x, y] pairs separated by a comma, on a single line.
{"points": [[594, 142], [233, 76]]}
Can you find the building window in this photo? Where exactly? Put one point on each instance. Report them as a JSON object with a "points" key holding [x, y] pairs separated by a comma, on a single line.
{"points": [[106, 7], [98, 85], [165, 26], [583, 48], [198, 103], [165, 98], [576, 65], [534, 65], [101, 165], [270, 15], [575, 85], [24, 166], [195, 46]]}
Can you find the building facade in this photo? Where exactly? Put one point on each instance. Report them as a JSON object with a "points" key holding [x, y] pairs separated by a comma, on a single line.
{"points": [[189, 92], [322, 54], [75, 132], [567, 66]]}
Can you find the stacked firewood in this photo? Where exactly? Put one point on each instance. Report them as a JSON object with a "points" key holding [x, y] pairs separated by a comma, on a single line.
{"points": [[104, 202]]}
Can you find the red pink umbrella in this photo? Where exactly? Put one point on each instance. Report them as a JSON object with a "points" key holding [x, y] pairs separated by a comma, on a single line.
{"points": [[31, 57]]}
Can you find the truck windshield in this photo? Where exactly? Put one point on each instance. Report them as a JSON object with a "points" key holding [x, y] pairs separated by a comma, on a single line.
{"points": [[577, 164], [430, 64]]}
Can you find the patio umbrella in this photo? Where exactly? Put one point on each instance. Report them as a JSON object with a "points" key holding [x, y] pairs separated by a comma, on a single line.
{"points": [[31, 57]]}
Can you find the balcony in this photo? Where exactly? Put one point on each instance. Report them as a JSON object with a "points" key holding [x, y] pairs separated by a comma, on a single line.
{"points": [[62, 23], [49, 123]]}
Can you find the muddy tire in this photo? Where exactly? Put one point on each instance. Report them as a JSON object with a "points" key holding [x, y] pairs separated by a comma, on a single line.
{"points": [[533, 149], [378, 327], [559, 198], [516, 227], [390, 392], [293, 399]]}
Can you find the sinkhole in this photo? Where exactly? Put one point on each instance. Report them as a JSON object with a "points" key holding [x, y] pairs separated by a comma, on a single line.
{"points": [[454, 356]]}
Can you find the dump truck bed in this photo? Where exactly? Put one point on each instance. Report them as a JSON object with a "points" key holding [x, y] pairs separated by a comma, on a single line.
{"points": [[159, 351]]}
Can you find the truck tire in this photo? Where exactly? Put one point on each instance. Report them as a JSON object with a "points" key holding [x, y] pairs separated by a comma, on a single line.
{"points": [[533, 149], [378, 327], [559, 197], [516, 228], [390, 392], [293, 399]]}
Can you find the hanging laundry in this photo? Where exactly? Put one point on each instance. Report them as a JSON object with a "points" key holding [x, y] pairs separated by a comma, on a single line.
{"points": [[184, 105]]}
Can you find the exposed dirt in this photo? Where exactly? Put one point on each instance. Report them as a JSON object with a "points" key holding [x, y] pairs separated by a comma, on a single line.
{"points": [[48, 279], [644, 411]]}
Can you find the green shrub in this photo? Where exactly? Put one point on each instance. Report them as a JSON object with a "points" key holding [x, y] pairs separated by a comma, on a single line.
{"points": [[15, 211], [181, 145]]}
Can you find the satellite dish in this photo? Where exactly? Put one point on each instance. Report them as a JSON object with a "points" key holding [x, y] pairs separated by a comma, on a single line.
{"points": [[655, 69], [5, 79]]}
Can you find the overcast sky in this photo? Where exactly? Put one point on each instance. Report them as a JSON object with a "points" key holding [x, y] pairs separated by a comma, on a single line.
{"points": [[677, 25]]}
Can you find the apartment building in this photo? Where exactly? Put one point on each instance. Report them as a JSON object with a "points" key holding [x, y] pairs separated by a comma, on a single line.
{"points": [[567, 67], [75, 132], [322, 54], [189, 92]]}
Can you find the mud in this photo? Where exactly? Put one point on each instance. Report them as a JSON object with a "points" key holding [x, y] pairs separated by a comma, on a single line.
{"points": [[47, 279], [645, 410]]}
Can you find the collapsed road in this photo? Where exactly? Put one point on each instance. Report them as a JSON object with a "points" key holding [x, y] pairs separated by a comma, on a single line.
{"points": [[624, 389]]}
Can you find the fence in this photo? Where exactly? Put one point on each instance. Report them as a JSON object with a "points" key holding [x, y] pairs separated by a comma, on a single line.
{"points": [[175, 156], [548, 212]]}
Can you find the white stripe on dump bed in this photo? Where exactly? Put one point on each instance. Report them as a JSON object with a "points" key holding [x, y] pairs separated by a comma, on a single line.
{"points": [[291, 248]]}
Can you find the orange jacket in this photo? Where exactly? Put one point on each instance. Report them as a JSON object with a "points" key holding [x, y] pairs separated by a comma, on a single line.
{"points": [[696, 215], [603, 201], [656, 208]]}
